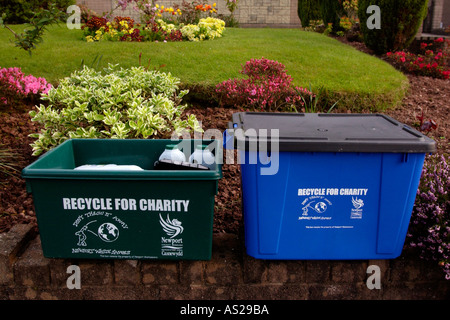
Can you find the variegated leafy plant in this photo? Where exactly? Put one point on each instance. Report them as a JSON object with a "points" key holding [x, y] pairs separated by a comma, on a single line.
{"points": [[117, 103]]}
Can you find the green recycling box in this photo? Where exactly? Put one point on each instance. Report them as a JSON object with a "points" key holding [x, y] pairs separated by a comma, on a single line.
{"points": [[130, 211]]}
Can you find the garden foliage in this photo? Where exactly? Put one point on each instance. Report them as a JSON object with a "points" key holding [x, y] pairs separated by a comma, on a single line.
{"points": [[192, 12], [119, 103], [191, 21], [331, 12], [431, 61], [20, 11], [330, 17], [125, 29], [268, 88], [308, 10], [15, 86], [34, 30], [8, 162], [400, 21], [429, 229]]}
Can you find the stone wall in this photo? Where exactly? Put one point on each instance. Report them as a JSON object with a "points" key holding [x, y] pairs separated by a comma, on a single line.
{"points": [[438, 11], [230, 275], [256, 13], [98, 6], [446, 14], [438, 15]]}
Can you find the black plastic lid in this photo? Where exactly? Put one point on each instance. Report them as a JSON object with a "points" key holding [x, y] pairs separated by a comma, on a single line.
{"points": [[312, 132]]}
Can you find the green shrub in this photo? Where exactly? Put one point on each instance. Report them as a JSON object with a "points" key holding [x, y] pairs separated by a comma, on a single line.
{"points": [[308, 10], [19, 11], [119, 103], [400, 21], [331, 12]]}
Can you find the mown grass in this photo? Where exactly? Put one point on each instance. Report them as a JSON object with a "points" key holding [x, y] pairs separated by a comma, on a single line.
{"points": [[359, 80]]}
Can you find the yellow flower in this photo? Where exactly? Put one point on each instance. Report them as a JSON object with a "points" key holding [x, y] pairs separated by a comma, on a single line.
{"points": [[89, 39], [157, 5], [214, 4], [162, 7]]}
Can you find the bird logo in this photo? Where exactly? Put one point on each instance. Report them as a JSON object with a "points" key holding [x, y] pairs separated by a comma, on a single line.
{"points": [[357, 203], [171, 227]]}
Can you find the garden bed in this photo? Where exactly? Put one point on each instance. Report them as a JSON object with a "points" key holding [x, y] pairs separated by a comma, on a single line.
{"points": [[16, 206], [310, 59]]}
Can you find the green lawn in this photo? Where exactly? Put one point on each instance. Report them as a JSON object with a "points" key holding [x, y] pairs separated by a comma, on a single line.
{"points": [[310, 58]]}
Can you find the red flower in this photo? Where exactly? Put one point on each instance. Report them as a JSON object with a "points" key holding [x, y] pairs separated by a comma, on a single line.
{"points": [[438, 40]]}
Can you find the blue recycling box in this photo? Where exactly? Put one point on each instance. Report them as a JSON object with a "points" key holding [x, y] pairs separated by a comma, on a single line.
{"points": [[341, 186]]}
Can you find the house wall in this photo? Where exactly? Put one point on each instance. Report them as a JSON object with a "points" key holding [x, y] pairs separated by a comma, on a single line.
{"points": [[98, 6], [257, 13], [438, 13], [446, 13]]}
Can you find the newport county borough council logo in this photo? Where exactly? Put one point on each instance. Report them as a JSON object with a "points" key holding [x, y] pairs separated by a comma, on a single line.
{"points": [[171, 246], [357, 208]]}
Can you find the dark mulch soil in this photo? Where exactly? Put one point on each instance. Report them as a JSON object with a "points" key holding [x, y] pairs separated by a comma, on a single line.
{"points": [[427, 95]]}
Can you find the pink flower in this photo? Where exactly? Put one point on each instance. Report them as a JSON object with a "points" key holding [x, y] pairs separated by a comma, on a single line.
{"points": [[22, 85]]}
